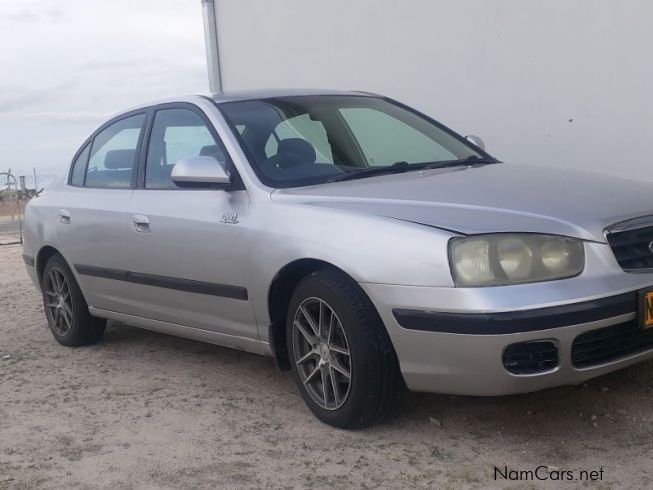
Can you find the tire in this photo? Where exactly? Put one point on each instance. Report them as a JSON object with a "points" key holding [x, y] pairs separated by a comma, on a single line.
{"points": [[65, 308], [370, 393]]}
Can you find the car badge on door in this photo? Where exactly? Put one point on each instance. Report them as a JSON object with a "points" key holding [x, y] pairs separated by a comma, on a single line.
{"points": [[229, 218]]}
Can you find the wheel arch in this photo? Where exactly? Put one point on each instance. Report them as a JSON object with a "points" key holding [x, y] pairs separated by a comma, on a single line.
{"points": [[280, 292], [42, 258]]}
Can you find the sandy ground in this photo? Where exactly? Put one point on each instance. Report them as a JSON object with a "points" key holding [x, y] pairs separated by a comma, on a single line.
{"points": [[144, 410]]}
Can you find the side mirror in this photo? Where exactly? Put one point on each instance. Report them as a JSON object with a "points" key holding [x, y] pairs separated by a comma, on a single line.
{"points": [[199, 172], [475, 140]]}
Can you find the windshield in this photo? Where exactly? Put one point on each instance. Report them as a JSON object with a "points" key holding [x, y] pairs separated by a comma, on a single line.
{"points": [[304, 140]]}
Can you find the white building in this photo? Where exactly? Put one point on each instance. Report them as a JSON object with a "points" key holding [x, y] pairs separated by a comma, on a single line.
{"points": [[557, 82]]}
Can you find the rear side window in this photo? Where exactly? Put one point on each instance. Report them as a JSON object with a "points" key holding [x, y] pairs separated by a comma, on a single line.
{"points": [[177, 134], [114, 153], [79, 167]]}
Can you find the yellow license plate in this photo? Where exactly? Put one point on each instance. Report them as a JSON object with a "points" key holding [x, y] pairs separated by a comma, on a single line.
{"points": [[646, 309]]}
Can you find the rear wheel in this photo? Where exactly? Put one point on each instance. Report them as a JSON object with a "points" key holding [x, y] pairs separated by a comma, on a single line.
{"points": [[341, 355], [65, 308]]}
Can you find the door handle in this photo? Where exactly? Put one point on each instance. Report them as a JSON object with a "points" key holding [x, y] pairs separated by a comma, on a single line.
{"points": [[141, 223], [64, 216]]}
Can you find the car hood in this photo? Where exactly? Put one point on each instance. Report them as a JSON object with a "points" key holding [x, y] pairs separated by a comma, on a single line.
{"points": [[490, 198]]}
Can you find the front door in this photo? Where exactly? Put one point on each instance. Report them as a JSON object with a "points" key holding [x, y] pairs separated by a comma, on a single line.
{"points": [[188, 248]]}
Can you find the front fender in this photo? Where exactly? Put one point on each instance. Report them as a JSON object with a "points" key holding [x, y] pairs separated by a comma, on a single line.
{"points": [[371, 249]]}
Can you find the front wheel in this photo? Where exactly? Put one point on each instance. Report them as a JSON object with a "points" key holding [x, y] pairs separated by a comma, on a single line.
{"points": [[65, 308], [342, 358]]}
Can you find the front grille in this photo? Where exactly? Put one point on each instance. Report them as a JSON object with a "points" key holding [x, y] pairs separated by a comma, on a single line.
{"points": [[631, 248], [610, 343], [531, 357]]}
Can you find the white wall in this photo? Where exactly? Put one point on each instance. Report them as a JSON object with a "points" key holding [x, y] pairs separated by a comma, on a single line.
{"points": [[555, 82]]}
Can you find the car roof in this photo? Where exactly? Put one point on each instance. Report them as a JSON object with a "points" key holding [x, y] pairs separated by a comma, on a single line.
{"points": [[238, 95]]}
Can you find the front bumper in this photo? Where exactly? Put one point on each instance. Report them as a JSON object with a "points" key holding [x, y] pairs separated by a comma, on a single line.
{"points": [[461, 351]]}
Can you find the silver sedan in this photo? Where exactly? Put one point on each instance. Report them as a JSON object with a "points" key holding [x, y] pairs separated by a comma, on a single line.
{"points": [[364, 245]]}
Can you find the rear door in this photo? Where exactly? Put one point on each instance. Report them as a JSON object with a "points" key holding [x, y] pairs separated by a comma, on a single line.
{"points": [[91, 224], [188, 248]]}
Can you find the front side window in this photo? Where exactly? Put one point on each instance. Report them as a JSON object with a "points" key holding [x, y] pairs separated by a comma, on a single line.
{"points": [[114, 153], [304, 140], [177, 134]]}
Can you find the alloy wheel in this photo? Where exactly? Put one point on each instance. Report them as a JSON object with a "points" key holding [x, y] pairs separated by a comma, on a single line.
{"points": [[321, 353], [58, 301]]}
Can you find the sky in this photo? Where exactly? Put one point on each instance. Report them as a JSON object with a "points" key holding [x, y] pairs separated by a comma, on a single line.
{"points": [[67, 65]]}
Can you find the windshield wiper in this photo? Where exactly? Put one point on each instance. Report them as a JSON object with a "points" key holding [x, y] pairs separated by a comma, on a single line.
{"points": [[399, 167], [395, 168], [470, 160]]}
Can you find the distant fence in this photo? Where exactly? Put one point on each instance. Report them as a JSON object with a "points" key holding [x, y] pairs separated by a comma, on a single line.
{"points": [[17, 186], [37, 178], [11, 224]]}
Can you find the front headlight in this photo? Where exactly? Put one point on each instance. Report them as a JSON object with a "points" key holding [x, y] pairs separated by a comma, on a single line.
{"points": [[511, 258]]}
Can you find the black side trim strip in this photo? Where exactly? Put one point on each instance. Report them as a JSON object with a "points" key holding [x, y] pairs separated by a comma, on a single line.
{"points": [[187, 285], [517, 321], [28, 260], [90, 270]]}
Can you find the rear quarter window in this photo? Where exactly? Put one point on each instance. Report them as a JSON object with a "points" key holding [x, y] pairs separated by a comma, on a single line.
{"points": [[79, 167]]}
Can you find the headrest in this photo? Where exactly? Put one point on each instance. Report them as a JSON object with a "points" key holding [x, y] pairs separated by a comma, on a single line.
{"points": [[119, 159], [212, 151], [295, 151]]}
